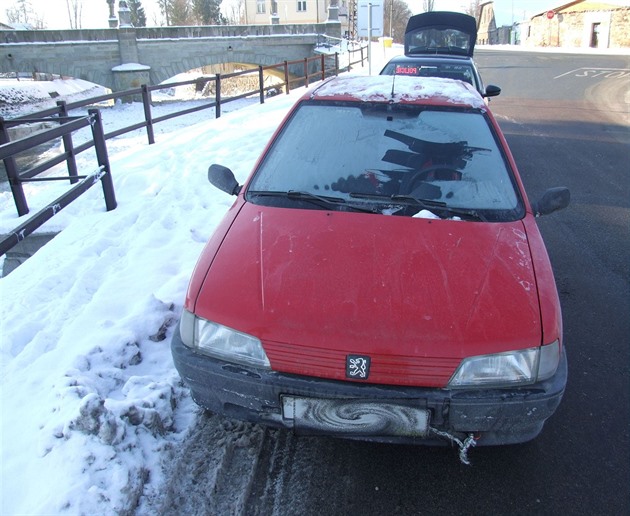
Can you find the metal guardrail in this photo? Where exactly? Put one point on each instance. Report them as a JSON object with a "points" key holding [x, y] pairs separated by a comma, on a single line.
{"points": [[324, 65], [81, 184]]}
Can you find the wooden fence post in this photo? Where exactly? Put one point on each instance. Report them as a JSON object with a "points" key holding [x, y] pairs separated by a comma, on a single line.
{"points": [[217, 96], [68, 146], [12, 174], [286, 76], [261, 84], [103, 160], [146, 102]]}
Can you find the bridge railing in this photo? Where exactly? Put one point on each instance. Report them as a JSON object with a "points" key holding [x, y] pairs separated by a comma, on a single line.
{"points": [[170, 32], [79, 184], [312, 69]]}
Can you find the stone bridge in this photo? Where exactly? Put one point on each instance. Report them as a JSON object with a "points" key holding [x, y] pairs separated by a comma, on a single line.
{"points": [[126, 57]]}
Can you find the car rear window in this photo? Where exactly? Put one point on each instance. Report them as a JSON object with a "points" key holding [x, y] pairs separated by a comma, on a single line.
{"points": [[446, 71], [345, 148], [438, 40]]}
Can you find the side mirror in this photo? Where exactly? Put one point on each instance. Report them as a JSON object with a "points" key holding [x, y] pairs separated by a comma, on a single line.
{"points": [[223, 178], [492, 91], [552, 200]]}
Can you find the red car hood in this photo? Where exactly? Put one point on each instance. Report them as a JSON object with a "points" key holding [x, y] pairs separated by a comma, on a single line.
{"points": [[416, 295]]}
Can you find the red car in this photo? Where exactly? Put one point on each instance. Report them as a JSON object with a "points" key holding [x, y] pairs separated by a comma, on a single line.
{"points": [[380, 276]]}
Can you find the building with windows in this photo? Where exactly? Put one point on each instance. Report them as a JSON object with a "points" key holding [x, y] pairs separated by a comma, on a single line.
{"points": [[261, 12], [486, 25], [265, 12], [582, 23]]}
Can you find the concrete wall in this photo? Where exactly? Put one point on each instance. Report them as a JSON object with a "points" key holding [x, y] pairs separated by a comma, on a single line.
{"points": [[487, 26], [574, 27], [169, 60], [202, 31], [91, 61]]}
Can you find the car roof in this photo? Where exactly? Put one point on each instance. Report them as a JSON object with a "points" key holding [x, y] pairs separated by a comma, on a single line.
{"points": [[399, 89], [461, 25]]}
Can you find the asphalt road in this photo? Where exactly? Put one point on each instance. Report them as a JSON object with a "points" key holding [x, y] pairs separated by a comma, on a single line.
{"points": [[567, 125], [566, 120]]}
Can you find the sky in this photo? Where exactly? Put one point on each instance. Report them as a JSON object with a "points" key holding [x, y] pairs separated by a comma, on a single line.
{"points": [[55, 12]]}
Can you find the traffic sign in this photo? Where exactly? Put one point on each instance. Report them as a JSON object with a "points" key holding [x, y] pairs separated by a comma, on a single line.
{"points": [[370, 13]]}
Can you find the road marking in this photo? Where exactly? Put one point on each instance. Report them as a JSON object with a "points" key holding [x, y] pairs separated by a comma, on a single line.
{"points": [[608, 73]]}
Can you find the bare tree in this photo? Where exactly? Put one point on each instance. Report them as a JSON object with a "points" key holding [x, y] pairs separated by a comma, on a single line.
{"points": [[396, 14], [236, 12], [165, 9], [22, 12], [75, 8], [428, 5], [473, 8]]}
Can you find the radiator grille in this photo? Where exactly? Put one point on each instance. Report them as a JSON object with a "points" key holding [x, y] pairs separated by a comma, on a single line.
{"points": [[418, 371]]}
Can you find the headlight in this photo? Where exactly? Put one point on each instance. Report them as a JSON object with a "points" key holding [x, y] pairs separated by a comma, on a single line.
{"points": [[221, 342], [504, 369]]}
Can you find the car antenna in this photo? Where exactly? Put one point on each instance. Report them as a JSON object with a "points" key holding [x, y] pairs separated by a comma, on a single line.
{"points": [[393, 83]]}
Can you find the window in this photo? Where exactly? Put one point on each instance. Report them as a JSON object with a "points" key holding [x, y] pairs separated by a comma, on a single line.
{"points": [[301, 5], [395, 150], [452, 40], [260, 6]]}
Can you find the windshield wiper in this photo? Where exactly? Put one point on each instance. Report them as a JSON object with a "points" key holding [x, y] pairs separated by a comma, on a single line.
{"points": [[442, 207], [319, 200], [398, 199], [428, 204]]}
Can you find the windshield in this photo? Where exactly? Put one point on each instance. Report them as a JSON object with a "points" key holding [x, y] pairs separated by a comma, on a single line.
{"points": [[387, 159]]}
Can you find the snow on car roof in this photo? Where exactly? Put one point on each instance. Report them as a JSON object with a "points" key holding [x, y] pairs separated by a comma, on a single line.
{"points": [[405, 89]]}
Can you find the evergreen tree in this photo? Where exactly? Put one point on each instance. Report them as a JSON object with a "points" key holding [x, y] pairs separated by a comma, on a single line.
{"points": [[138, 16], [208, 12], [180, 13], [192, 12]]}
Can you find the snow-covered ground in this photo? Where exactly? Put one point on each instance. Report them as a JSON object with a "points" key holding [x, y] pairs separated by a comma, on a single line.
{"points": [[91, 402], [92, 406]]}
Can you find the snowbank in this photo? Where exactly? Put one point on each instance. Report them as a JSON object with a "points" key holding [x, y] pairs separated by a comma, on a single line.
{"points": [[91, 404]]}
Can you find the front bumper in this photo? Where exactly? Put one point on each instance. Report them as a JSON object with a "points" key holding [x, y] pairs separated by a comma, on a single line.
{"points": [[396, 414]]}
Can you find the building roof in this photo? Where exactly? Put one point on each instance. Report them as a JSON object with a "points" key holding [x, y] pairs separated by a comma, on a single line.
{"points": [[587, 5]]}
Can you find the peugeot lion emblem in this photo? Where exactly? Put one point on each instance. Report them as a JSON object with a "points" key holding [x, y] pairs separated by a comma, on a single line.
{"points": [[357, 367]]}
